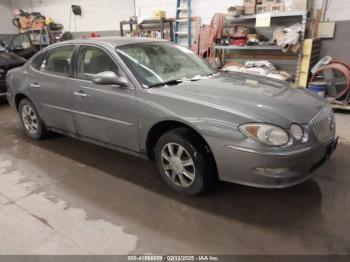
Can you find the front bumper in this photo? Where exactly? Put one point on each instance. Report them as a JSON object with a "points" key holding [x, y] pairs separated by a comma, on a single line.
{"points": [[239, 165]]}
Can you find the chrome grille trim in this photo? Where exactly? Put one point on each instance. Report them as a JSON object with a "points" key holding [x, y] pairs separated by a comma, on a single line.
{"points": [[321, 124]]}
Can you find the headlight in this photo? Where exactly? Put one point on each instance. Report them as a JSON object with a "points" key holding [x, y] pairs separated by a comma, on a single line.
{"points": [[297, 132], [266, 134]]}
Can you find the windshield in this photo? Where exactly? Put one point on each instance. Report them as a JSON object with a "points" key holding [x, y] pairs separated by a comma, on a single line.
{"points": [[157, 63]]}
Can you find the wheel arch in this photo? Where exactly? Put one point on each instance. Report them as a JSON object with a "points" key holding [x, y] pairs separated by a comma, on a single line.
{"points": [[160, 128], [18, 98]]}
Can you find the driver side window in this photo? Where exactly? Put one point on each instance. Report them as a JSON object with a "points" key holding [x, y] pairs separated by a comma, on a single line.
{"points": [[93, 60]]}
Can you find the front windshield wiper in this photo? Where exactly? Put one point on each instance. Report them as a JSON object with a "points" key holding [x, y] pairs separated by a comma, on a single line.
{"points": [[170, 82]]}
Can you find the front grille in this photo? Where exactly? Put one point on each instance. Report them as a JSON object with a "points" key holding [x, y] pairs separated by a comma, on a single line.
{"points": [[323, 124]]}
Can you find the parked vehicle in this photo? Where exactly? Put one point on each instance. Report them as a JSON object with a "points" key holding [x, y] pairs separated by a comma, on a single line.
{"points": [[155, 99], [8, 60], [23, 46]]}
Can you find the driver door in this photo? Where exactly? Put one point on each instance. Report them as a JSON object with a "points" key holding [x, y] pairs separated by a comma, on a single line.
{"points": [[105, 113]]}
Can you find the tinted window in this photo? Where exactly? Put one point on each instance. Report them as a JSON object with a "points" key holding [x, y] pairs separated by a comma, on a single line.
{"points": [[93, 60], [37, 62], [58, 61], [21, 41]]}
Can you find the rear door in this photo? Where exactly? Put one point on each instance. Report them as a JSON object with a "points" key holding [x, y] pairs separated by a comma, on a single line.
{"points": [[51, 86], [104, 113]]}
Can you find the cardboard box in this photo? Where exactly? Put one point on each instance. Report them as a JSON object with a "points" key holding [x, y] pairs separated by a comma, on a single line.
{"points": [[299, 5], [263, 8], [159, 14], [249, 9], [249, 2], [277, 7]]}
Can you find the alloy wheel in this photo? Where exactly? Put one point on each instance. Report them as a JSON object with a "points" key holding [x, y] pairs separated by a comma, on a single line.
{"points": [[178, 164], [30, 119]]}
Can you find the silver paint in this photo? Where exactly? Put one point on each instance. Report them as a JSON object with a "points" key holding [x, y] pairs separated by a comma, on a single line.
{"points": [[214, 107]]}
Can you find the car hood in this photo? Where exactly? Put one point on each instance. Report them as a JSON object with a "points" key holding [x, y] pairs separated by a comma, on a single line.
{"points": [[10, 60], [259, 98]]}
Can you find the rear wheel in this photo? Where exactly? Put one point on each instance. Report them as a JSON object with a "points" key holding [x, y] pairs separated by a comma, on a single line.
{"points": [[31, 121], [184, 162]]}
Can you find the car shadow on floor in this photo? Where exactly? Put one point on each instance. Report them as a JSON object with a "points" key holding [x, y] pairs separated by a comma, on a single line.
{"points": [[250, 205]]}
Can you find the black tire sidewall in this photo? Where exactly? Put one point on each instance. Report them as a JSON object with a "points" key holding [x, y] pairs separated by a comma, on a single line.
{"points": [[40, 132], [177, 136]]}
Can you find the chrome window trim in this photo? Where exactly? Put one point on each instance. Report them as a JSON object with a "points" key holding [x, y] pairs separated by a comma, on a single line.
{"points": [[47, 50]]}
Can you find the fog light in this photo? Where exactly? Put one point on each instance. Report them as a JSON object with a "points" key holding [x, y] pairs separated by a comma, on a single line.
{"points": [[270, 172]]}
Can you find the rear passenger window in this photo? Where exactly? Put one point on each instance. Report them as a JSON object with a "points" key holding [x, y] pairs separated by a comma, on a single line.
{"points": [[58, 61]]}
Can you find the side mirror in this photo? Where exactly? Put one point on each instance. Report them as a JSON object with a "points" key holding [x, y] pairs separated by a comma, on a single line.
{"points": [[110, 78]]}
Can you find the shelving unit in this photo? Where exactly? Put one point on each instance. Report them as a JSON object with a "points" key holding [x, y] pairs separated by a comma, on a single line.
{"points": [[40, 37], [149, 25], [257, 47], [273, 15], [287, 61]]}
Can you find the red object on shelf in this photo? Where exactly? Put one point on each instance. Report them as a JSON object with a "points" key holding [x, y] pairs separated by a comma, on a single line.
{"points": [[92, 35], [239, 41]]}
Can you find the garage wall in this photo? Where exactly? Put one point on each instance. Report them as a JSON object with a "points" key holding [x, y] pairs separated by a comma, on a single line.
{"points": [[104, 15], [339, 46], [338, 9], [205, 9], [101, 15], [6, 28]]}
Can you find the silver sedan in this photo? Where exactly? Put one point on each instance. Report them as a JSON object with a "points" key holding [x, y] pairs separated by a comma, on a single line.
{"points": [[157, 100]]}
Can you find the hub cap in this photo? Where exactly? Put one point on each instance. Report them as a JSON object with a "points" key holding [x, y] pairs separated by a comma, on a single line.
{"points": [[30, 119], [178, 164]]}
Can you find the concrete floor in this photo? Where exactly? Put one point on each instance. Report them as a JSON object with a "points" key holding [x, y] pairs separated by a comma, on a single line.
{"points": [[62, 196]]}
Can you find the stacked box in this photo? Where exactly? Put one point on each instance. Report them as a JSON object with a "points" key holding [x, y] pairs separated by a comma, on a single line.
{"points": [[277, 7], [159, 14], [263, 8], [299, 5], [270, 6], [249, 7]]}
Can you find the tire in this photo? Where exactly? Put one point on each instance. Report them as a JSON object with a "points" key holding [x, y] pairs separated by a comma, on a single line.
{"points": [[30, 119], [189, 169]]}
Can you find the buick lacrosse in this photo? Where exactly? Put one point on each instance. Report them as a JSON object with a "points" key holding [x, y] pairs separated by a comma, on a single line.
{"points": [[154, 99]]}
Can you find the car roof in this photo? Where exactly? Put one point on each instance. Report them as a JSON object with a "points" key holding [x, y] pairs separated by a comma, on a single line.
{"points": [[113, 41]]}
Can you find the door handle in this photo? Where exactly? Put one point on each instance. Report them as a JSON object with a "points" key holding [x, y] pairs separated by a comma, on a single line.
{"points": [[35, 85], [80, 93]]}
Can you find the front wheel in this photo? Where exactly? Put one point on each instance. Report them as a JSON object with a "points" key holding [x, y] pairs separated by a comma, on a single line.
{"points": [[31, 121], [184, 162]]}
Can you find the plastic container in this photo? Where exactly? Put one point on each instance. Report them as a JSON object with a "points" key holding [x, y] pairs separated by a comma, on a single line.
{"points": [[318, 87]]}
